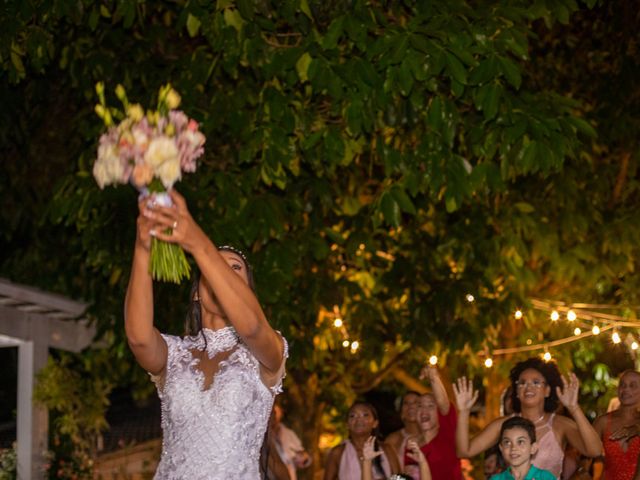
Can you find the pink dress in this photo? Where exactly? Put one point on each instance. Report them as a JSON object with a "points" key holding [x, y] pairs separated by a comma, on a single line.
{"points": [[550, 453], [350, 468]]}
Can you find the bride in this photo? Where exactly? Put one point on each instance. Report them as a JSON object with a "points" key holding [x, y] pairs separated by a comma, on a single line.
{"points": [[218, 383]]}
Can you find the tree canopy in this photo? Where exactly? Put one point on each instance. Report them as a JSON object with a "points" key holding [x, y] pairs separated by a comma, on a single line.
{"points": [[378, 160]]}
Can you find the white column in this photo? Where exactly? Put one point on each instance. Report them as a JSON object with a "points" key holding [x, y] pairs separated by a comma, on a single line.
{"points": [[32, 428], [25, 421]]}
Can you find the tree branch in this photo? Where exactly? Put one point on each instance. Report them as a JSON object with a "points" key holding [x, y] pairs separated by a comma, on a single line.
{"points": [[620, 180]]}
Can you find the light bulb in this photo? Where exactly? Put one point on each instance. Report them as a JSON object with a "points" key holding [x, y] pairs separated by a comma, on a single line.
{"points": [[571, 315], [555, 316], [433, 360], [518, 314], [615, 337], [546, 356], [577, 331], [634, 346], [346, 343], [470, 298], [354, 346], [595, 330], [488, 363], [337, 322]]}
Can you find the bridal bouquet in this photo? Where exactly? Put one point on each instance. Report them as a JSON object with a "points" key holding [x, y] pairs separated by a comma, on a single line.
{"points": [[149, 150]]}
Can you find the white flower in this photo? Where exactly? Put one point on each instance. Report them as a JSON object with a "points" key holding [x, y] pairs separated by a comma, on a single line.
{"points": [[169, 172], [159, 151], [100, 174], [108, 167], [195, 139], [140, 139]]}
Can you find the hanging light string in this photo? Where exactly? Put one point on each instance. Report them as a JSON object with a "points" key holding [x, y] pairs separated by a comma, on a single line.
{"points": [[574, 313]]}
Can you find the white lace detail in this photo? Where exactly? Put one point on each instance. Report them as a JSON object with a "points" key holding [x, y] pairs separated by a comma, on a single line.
{"points": [[217, 432]]}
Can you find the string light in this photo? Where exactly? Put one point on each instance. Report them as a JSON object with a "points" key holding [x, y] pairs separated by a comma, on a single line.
{"points": [[433, 360], [518, 314], [337, 322], [601, 322], [547, 356], [470, 298], [346, 343], [354, 346]]}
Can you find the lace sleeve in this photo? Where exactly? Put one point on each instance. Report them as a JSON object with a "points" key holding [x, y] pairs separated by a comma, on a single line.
{"points": [[277, 388], [173, 346]]}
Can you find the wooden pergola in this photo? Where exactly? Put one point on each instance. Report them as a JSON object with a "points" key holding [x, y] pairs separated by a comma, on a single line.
{"points": [[35, 321]]}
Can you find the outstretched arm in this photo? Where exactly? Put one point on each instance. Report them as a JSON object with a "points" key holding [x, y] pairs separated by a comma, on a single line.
{"points": [[439, 392], [236, 298], [580, 434], [466, 396], [144, 339], [415, 454]]}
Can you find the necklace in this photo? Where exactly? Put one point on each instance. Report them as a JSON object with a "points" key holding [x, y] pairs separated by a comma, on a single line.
{"points": [[538, 420], [535, 422]]}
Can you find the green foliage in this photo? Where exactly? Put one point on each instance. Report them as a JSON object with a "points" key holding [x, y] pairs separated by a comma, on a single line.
{"points": [[8, 463], [76, 397]]}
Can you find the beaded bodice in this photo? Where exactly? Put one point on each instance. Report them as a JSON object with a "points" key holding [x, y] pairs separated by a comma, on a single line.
{"points": [[215, 408]]}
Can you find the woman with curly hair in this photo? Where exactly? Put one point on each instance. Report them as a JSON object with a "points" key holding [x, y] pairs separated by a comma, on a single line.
{"points": [[538, 387]]}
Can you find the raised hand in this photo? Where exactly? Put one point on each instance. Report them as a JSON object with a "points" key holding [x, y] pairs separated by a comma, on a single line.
{"points": [[414, 452], [175, 224], [568, 394], [429, 372], [368, 450], [466, 395]]}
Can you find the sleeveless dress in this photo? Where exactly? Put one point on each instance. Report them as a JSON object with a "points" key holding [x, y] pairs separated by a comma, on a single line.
{"points": [[213, 428], [550, 455], [618, 463], [350, 468]]}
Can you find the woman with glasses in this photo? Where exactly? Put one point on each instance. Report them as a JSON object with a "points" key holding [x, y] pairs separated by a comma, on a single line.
{"points": [[537, 388]]}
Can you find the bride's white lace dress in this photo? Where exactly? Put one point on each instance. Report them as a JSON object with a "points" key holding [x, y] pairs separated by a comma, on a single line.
{"points": [[213, 423]]}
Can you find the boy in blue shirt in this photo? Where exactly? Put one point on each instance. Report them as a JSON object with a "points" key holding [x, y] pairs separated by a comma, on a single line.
{"points": [[518, 445]]}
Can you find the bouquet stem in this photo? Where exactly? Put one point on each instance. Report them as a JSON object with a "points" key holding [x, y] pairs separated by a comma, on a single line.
{"points": [[168, 262]]}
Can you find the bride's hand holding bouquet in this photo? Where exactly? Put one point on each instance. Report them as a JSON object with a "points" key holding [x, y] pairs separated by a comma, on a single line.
{"points": [[172, 224]]}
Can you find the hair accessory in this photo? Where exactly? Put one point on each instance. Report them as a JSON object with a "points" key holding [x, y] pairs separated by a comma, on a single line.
{"points": [[235, 250]]}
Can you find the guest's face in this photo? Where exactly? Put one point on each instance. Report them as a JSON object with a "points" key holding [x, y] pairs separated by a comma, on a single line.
{"points": [[532, 388], [629, 389], [516, 447], [490, 465], [361, 420], [409, 408], [428, 413]]}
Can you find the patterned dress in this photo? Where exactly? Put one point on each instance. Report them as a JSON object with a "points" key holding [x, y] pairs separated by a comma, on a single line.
{"points": [[213, 423]]}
